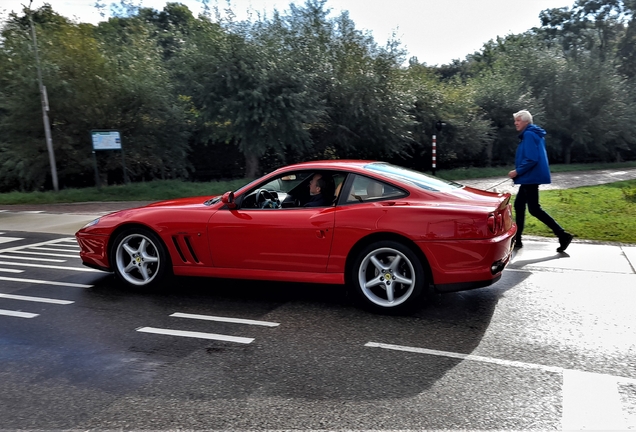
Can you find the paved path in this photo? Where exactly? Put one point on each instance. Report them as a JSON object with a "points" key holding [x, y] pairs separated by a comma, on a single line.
{"points": [[565, 180]]}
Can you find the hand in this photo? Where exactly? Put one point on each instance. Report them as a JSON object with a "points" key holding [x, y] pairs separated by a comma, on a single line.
{"points": [[512, 174]]}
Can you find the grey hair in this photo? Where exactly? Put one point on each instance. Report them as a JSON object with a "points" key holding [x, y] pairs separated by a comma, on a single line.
{"points": [[524, 115]]}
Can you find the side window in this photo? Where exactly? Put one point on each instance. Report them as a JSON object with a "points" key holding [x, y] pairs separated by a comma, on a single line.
{"points": [[366, 189], [285, 183], [338, 180]]}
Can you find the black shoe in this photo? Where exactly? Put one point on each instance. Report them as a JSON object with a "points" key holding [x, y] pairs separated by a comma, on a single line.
{"points": [[518, 244], [564, 241]]}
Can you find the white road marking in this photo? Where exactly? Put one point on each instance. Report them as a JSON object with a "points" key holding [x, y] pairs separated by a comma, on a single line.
{"points": [[80, 269], [30, 212], [198, 335], [36, 299], [69, 245], [7, 270], [44, 282], [590, 400], [44, 254], [17, 314], [224, 319], [465, 357], [49, 242], [50, 249], [32, 258], [9, 239]]}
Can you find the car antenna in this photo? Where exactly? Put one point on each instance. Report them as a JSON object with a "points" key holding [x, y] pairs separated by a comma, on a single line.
{"points": [[500, 183]]}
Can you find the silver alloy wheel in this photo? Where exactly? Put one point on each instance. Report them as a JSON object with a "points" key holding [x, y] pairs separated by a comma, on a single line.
{"points": [[137, 259], [386, 277]]}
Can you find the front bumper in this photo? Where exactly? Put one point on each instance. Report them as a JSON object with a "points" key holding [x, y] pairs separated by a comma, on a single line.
{"points": [[93, 250]]}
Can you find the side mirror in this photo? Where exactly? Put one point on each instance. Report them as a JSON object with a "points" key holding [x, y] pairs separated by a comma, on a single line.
{"points": [[228, 200]]}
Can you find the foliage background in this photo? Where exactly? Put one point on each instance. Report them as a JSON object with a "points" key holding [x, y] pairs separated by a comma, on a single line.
{"points": [[210, 98]]}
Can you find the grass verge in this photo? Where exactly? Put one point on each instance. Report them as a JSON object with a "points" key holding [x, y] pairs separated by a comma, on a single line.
{"points": [[603, 213], [144, 191], [474, 173]]}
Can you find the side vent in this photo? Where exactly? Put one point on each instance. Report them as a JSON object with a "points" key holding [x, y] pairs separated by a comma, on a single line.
{"points": [[184, 249], [194, 255]]}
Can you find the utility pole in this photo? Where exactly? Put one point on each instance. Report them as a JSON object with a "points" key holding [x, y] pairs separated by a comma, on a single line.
{"points": [[45, 106]]}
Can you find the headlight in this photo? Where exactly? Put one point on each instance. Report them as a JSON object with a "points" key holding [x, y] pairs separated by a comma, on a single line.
{"points": [[91, 223]]}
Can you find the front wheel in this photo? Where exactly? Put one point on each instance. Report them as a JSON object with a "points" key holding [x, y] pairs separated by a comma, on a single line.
{"points": [[139, 258], [388, 277]]}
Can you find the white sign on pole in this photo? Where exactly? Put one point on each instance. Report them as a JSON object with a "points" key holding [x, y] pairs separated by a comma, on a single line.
{"points": [[106, 140]]}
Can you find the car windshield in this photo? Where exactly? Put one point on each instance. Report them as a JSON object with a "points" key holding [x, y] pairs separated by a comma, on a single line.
{"points": [[416, 178]]}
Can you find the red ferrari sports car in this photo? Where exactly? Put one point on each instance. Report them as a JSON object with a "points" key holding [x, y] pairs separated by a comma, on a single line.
{"points": [[388, 232]]}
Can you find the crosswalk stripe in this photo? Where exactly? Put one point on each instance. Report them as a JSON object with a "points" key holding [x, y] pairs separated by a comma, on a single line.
{"points": [[32, 258], [45, 266], [49, 242], [9, 270], [44, 254], [45, 282], [39, 248], [10, 239]]}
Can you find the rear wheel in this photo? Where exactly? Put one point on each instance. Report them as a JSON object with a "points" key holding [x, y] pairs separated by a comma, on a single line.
{"points": [[388, 277], [139, 258]]}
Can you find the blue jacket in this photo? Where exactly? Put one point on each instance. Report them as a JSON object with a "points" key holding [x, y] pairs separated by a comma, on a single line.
{"points": [[531, 160]]}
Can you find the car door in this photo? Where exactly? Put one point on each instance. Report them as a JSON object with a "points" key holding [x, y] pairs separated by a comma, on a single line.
{"points": [[283, 239]]}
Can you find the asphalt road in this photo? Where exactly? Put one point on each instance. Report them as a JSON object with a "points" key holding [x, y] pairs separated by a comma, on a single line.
{"points": [[551, 346]]}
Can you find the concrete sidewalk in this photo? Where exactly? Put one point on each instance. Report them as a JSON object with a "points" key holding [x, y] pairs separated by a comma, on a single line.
{"points": [[540, 254]]}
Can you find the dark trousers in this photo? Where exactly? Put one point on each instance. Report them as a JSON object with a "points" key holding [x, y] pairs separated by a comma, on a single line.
{"points": [[529, 195]]}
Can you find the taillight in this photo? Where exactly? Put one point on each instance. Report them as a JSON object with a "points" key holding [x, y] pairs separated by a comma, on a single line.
{"points": [[495, 223], [491, 223]]}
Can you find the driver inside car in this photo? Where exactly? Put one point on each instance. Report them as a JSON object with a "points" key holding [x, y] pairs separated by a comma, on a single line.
{"points": [[319, 188]]}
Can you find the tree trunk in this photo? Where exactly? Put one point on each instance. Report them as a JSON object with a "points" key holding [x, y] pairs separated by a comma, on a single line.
{"points": [[251, 165], [489, 150], [567, 150]]}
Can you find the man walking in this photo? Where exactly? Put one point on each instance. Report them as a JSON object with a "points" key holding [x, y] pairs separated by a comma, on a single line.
{"points": [[531, 170]]}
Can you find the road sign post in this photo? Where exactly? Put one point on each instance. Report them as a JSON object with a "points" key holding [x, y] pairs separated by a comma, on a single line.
{"points": [[107, 140]]}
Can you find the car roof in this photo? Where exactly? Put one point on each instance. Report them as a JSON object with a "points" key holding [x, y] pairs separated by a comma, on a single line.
{"points": [[330, 164]]}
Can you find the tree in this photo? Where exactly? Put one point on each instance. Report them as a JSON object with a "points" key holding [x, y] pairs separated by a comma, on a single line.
{"points": [[110, 77], [467, 129], [590, 25], [251, 92]]}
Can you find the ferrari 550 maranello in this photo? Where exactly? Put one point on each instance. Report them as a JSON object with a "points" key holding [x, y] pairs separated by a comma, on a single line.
{"points": [[387, 232]]}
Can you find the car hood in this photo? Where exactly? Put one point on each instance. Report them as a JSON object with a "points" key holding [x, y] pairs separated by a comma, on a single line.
{"points": [[152, 214], [181, 202]]}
